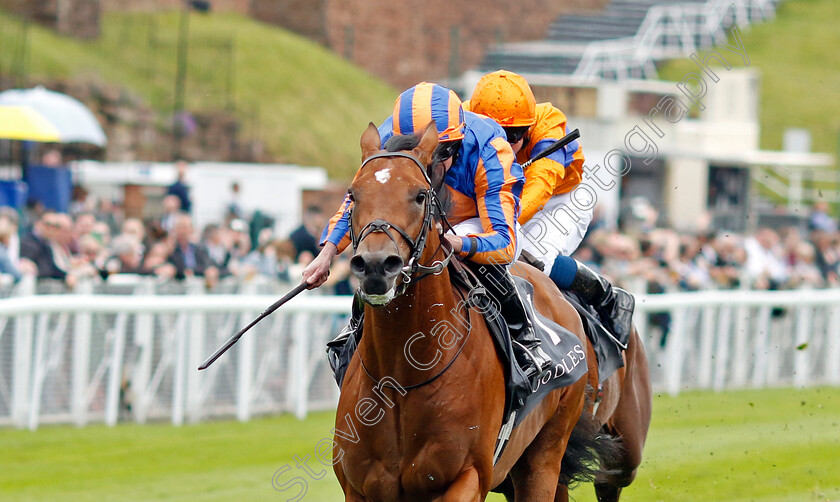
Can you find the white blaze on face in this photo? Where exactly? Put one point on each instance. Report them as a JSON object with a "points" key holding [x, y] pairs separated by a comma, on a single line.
{"points": [[383, 175]]}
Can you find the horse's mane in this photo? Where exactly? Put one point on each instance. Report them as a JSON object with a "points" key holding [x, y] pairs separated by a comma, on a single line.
{"points": [[398, 143]]}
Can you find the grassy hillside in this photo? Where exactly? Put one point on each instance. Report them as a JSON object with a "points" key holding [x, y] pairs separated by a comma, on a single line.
{"points": [[800, 71], [768, 445], [311, 105]]}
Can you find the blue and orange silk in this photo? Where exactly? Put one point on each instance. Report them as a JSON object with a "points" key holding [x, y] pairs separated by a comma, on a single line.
{"points": [[484, 182]]}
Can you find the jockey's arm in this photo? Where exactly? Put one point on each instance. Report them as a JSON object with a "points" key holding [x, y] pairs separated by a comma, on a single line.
{"points": [[496, 182], [541, 179], [334, 240]]}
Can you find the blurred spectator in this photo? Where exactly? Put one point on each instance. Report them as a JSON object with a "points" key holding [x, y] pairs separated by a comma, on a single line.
{"points": [[819, 218], [804, 272], [109, 213], [218, 242], [126, 257], [8, 265], [190, 258], [156, 260], [765, 264], [263, 259], [306, 236], [36, 246], [135, 228], [171, 208], [240, 237], [82, 225], [180, 188], [827, 257], [726, 270], [234, 209], [12, 240]]}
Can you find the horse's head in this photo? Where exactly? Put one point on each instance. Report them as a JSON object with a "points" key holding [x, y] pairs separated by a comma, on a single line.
{"points": [[393, 205]]}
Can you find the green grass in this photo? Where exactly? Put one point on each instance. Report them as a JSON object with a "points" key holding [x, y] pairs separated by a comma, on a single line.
{"points": [[310, 105], [770, 445], [798, 59]]}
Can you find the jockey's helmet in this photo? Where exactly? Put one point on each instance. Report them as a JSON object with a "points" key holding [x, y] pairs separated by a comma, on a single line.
{"points": [[424, 102], [506, 98]]}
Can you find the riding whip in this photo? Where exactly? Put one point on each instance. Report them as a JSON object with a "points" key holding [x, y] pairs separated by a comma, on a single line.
{"points": [[235, 338], [560, 143]]}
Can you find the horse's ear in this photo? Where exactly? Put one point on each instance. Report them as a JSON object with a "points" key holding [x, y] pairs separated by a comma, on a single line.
{"points": [[427, 145], [371, 142]]}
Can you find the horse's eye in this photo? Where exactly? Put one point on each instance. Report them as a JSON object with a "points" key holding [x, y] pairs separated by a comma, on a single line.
{"points": [[350, 196], [421, 197]]}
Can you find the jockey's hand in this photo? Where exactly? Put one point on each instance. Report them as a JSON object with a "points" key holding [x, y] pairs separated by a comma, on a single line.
{"points": [[455, 242], [318, 270]]}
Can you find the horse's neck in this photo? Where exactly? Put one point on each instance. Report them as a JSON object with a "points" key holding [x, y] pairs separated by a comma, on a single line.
{"points": [[410, 338]]}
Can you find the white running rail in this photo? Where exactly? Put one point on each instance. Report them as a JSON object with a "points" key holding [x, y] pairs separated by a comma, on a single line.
{"points": [[81, 358]]}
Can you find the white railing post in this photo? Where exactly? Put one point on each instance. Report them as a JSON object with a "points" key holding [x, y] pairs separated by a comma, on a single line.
{"points": [[82, 326], [39, 370], [740, 361], [22, 365], [760, 347], [245, 365], [115, 373], [833, 352], [676, 341], [722, 349], [297, 367], [707, 343], [144, 324], [801, 361], [194, 396]]}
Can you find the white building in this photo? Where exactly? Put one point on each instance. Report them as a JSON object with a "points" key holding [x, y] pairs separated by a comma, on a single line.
{"points": [[274, 189], [693, 145]]}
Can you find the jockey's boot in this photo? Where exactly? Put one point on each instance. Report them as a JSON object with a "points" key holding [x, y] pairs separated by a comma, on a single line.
{"points": [[526, 345], [614, 305], [353, 328], [500, 287]]}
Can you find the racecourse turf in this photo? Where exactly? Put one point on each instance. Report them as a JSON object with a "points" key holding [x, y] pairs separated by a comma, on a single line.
{"points": [[768, 445]]}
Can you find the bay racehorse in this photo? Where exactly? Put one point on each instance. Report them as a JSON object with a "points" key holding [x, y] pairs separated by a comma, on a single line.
{"points": [[423, 397]]}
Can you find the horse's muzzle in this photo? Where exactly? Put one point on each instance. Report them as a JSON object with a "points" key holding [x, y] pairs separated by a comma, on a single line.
{"points": [[377, 273]]}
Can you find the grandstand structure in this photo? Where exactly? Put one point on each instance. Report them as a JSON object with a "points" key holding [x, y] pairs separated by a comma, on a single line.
{"points": [[599, 67], [627, 38]]}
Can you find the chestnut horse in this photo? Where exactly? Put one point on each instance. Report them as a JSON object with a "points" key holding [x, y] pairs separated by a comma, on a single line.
{"points": [[423, 398]]}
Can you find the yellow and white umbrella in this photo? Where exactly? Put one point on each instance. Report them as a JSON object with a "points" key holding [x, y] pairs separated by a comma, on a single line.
{"points": [[23, 123]]}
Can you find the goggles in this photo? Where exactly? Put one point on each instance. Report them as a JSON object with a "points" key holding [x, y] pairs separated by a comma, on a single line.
{"points": [[447, 149], [515, 134]]}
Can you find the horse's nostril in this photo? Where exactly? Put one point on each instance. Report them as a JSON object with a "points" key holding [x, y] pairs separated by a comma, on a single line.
{"points": [[357, 265], [393, 265]]}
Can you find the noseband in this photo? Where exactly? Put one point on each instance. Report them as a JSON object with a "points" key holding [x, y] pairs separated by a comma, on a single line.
{"points": [[416, 246]]}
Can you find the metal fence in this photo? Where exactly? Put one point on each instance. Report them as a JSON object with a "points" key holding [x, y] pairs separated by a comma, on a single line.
{"points": [[130, 351]]}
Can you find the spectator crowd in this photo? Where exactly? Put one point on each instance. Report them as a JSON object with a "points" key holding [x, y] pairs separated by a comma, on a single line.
{"points": [[647, 258], [97, 242]]}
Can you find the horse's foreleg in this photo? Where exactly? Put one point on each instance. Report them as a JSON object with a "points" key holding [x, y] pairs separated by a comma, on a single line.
{"points": [[536, 484], [562, 494], [466, 488]]}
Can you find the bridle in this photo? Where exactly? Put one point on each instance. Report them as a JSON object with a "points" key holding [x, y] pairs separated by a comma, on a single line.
{"points": [[409, 272], [413, 271]]}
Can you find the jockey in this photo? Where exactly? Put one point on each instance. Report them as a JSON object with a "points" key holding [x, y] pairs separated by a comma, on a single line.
{"points": [[552, 227], [484, 183]]}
